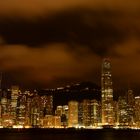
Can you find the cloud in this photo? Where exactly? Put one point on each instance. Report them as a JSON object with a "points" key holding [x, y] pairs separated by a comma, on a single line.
{"points": [[98, 30], [47, 64], [59, 63], [125, 63], [27, 8], [69, 39]]}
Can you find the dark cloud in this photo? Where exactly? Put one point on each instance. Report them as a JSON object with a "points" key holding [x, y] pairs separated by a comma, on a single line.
{"points": [[83, 27], [46, 64], [30, 8], [49, 42]]}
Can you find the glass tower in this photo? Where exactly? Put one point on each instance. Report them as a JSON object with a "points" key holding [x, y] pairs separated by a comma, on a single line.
{"points": [[107, 93]]}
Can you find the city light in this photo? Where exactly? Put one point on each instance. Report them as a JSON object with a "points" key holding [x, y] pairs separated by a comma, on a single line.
{"points": [[31, 109]]}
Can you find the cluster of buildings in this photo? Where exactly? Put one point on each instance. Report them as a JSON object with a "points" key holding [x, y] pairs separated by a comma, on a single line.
{"points": [[24, 109], [31, 110]]}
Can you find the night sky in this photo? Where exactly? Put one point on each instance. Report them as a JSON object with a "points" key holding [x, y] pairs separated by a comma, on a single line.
{"points": [[50, 43]]}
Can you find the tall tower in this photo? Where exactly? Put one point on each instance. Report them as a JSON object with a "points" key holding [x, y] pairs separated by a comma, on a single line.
{"points": [[14, 101], [107, 93]]}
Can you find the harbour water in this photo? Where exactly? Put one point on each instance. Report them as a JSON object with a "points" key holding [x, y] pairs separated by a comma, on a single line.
{"points": [[71, 134]]}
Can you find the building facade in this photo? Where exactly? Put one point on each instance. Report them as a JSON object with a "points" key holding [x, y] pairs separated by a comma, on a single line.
{"points": [[107, 93], [73, 114]]}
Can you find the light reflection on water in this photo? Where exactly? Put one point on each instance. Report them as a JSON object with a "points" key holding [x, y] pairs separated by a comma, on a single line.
{"points": [[88, 135]]}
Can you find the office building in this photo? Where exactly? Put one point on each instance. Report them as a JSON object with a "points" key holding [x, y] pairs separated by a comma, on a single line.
{"points": [[107, 93], [73, 114], [14, 96]]}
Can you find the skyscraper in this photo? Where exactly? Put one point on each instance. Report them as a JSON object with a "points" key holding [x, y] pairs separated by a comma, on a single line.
{"points": [[14, 98], [137, 111], [73, 114], [123, 111], [107, 93], [86, 112], [35, 111], [130, 104], [95, 112]]}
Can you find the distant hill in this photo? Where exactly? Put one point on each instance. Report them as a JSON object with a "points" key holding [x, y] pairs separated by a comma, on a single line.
{"points": [[78, 92]]}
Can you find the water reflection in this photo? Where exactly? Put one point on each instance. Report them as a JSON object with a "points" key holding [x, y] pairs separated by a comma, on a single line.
{"points": [[74, 135]]}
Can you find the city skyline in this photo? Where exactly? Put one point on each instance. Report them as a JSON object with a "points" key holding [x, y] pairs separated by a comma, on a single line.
{"points": [[27, 109], [79, 108], [51, 44], [69, 69]]}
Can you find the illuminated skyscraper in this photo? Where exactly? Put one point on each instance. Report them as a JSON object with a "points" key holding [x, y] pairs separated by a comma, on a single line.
{"points": [[48, 104], [64, 117], [80, 114], [4, 108], [21, 109], [73, 114], [137, 111], [95, 113], [14, 97], [35, 111], [130, 109], [122, 111], [107, 93], [86, 112]]}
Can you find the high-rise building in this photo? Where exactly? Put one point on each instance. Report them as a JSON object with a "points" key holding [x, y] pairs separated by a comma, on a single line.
{"points": [[95, 113], [122, 111], [126, 109], [35, 111], [107, 93], [130, 109], [48, 104], [73, 114], [21, 110], [64, 117], [62, 112], [28, 108], [116, 115], [86, 113], [137, 111], [14, 96], [80, 114], [4, 110]]}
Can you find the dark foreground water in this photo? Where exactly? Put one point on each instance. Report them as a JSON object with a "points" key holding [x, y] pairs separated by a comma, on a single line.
{"points": [[49, 134]]}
